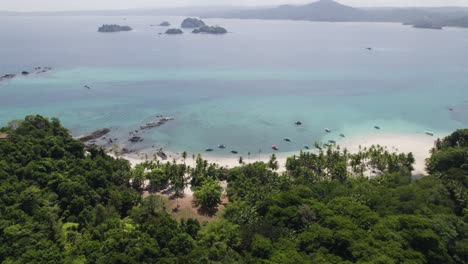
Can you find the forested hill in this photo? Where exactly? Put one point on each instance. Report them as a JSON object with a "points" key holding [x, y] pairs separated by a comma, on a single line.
{"points": [[62, 204], [333, 11]]}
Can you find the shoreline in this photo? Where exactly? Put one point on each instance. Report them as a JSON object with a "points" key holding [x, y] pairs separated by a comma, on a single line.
{"points": [[418, 144]]}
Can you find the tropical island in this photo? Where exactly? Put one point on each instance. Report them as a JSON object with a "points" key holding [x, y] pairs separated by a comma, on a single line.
{"points": [[334, 11], [192, 23], [210, 30], [61, 203], [174, 31], [113, 28], [425, 24]]}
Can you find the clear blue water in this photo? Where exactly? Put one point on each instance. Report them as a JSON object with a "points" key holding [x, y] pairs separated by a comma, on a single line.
{"points": [[244, 89]]}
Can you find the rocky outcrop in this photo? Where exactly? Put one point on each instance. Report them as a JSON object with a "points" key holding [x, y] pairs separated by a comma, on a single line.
{"points": [[161, 121], [165, 24], [161, 154], [174, 31], [113, 28], [210, 30], [135, 139], [7, 76], [95, 135], [192, 23]]}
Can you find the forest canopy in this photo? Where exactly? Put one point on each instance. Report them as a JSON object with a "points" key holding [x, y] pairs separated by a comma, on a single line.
{"points": [[62, 203]]}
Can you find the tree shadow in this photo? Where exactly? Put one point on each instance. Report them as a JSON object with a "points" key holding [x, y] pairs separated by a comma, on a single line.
{"points": [[205, 211]]}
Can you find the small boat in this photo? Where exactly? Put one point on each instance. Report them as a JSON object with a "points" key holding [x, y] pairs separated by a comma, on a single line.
{"points": [[87, 87], [429, 133], [368, 48], [306, 147], [234, 152], [209, 150], [221, 146], [287, 139], [342, 135], [377, 127], [274, 147], [298, 123], [332, 141], [327, 130], [450, 109]]}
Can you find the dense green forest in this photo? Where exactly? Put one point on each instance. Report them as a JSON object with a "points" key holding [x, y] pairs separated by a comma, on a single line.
{"points": [[60, 203]]}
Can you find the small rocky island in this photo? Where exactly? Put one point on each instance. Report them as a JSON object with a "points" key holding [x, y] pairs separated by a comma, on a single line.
{"points": [[427, 24], [165, 24], [210, 30], [113, 28], [192, 23], [174, 31]]}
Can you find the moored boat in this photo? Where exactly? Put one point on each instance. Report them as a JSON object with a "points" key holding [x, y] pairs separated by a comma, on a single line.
{"points": [[274, 147]]}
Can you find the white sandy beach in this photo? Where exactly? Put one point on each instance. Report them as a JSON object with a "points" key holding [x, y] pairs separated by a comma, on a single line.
{"points": [[418, 144]]}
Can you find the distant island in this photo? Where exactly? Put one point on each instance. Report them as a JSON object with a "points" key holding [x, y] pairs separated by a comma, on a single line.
{"points": [[425, 24], [210, 30], [192, 23], [174, 31], [113, 28], [165, 24], [332, 11]]}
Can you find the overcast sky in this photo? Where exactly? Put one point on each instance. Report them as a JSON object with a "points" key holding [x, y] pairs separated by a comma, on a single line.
{"points": [[53, 5]]}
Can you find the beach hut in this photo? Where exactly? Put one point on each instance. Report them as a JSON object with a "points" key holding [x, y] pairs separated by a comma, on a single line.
{"points": [[3, 136]]}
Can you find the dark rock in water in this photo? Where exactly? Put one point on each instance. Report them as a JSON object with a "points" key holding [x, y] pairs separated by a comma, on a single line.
{"points": [[377, 127], [135, 139], [24, 72], [221, 146], [210, 30], [125, 151], [113, 28], [174, 31], [7, 76], [209, 150], [161, 154], [161, 121], [165, 24], [95, 135], [298, 123], [234, 152], [287, 140], [192, 23]]}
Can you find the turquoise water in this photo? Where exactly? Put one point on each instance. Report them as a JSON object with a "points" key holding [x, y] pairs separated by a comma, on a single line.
{"points": [[244, 89]]}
